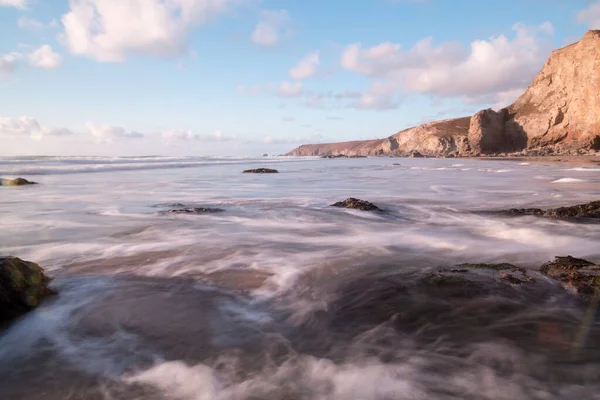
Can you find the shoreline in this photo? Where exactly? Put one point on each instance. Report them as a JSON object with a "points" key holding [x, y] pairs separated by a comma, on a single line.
{"points": [[581, 160]]}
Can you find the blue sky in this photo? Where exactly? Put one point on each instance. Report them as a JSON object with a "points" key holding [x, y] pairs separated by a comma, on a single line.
{"points": [[245, 77]]}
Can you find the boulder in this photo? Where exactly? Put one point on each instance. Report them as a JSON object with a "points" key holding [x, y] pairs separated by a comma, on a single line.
{"points": [[261, 171], [356, 204], [23, 286], [577, 275], [16, 182]]}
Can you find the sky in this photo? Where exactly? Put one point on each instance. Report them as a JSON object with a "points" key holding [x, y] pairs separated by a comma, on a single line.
{"points": [[247, 77]]}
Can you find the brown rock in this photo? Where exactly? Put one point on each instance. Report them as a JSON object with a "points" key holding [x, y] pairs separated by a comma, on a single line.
{"points": [[562, 104], [580, 276], [588, 211], [495, 132], [23, 285], [16, 182], [357, 204]]}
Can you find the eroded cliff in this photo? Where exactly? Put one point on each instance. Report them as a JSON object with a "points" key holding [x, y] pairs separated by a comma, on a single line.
{"points": [[559, 113]]}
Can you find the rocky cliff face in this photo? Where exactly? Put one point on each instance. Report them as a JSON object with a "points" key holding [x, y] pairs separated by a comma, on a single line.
{"points": [[562, 105], [558, 113]]}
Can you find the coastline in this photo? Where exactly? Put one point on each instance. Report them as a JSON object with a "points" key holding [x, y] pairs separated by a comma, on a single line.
{"points": [[579, 160]]}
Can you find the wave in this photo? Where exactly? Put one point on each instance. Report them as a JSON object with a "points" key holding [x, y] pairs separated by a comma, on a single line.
{"points": [[76, 165]]}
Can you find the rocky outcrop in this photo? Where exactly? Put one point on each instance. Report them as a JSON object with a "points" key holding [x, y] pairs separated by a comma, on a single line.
{"points": [[16, 182], [558, 114], [579, 276], [492, 132], [433, 139], [582, 212], [23, 285], [261, 171], [356, 204]]}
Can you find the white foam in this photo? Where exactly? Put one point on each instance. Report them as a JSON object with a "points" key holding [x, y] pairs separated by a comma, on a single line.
{"points": [[583, 169]]}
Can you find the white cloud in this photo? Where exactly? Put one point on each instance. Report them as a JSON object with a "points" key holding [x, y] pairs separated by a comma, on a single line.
{"points": [[28, 126], [283, 89], [380, 96], [8, 64], [307, 67], [109, 30], [35, 25], [108, 134], [590, 16], [14, 3], [271, 27], [177, 136], [490, 67], [44, 57], [314, 138], [287, 89]]}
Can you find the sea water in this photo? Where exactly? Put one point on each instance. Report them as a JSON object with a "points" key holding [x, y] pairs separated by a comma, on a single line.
{"points": [[252, 302]]}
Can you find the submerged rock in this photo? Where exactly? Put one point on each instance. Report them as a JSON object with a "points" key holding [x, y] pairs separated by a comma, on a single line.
{"points": [[577, 275], [195, 210], [261, 171], [356, 204], [23, 285], [16, 182], [582, 211]]}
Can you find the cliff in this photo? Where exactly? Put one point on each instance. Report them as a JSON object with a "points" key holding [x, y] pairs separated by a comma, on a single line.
{"points": [[558, 113]]}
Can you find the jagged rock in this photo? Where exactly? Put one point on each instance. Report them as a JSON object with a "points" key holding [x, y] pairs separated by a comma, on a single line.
{"points": [[23, 285], [588, 211], [16, 182], [416, 154], [261, 171], [356, 204], [579, 276], [495, 132]]}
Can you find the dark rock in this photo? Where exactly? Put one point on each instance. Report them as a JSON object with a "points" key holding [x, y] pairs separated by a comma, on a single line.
{"points": [[416, 154], [357, 204], [497, 267], [580, 276], [525, 211], [23, 285], [195, 210], [590, 211], [261, 171], [265, 155], [169, 205], [16, 182]]}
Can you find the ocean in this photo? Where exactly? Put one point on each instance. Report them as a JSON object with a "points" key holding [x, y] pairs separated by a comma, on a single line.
{"points": [[282, 296]]}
